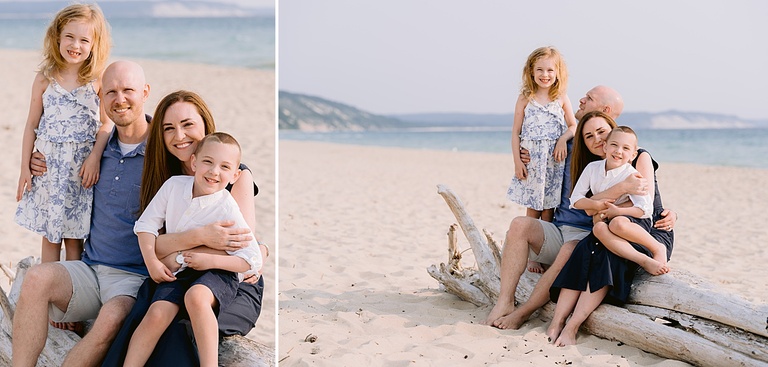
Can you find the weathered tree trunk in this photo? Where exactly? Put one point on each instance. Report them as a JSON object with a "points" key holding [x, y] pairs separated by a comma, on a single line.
{"points": [[676, 315], [236, 351]]}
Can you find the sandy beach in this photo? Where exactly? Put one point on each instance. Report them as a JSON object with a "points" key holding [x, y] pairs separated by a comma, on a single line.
{"points": [[243, 104], [358, 226]]}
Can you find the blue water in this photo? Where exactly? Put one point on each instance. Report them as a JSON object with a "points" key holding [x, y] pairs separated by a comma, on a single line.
{"points": [[720, 147], [244, 42]]}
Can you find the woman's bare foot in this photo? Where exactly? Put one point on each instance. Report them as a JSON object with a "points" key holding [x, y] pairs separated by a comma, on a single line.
{"points": [[535, 267], [554, 330], [567, 337], [502, 308]]}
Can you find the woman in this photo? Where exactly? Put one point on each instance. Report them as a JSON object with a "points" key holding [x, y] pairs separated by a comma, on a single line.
{"points": [[181, 119], [593, 273]]}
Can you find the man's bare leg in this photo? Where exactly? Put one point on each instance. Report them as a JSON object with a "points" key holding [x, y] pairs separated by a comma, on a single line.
{"points": [[540, 294], [522, 233], [45, 283], [92, 349]]}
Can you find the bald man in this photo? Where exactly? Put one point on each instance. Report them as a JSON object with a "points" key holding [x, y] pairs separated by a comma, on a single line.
{"points": [[544, 242], [104, 283]]}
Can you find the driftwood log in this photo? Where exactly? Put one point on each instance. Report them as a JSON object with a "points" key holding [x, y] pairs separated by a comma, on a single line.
{"points": [[676, 315], [233, 351]]}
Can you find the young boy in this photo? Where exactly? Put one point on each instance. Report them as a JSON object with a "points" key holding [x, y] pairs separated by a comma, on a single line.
{"points": [[206, 281], [632, 223]]}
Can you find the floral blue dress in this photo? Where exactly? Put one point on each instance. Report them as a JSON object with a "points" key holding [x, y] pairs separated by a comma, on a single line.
{"points": [[58, 206], [542, 126]]}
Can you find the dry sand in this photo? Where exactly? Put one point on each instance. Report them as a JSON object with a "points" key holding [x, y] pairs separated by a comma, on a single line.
{"points": [[243, 104], [358, 226]]}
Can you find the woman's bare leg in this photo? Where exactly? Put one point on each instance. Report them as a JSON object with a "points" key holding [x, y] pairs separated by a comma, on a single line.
{"points": [[566, 302], [587, 303]]}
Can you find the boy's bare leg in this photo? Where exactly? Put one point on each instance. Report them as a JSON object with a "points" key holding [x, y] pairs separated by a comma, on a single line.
{"points": [[540, 294], [632, 232], [522, 233], [200, 301], [622, 248], [144, 339]]}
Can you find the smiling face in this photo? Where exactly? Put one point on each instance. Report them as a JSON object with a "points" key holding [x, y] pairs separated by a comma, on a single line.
{"points": [[620, 148], [544, 72], [76, 41], [216, 165], [183, 128], [123, 93], [594, 132]]}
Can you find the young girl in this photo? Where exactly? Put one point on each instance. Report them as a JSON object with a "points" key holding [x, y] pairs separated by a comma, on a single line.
{"points": [[543, 123], [63, 124]]}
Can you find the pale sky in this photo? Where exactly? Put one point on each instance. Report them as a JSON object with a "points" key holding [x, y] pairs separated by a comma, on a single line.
{"points": [[405, 56]]}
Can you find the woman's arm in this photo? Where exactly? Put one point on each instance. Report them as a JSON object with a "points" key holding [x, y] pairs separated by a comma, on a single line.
{"points": [[242, 192]]}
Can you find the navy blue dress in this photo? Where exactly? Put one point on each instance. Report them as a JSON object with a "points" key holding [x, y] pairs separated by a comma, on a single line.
{"points": [[176, 346], [592, 263]]}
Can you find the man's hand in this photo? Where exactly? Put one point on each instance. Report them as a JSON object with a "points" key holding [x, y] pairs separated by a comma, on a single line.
{"points": [[37, 164]]}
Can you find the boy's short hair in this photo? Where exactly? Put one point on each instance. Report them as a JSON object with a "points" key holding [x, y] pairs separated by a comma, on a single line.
{"points": [[623, 129], [220, 137]]}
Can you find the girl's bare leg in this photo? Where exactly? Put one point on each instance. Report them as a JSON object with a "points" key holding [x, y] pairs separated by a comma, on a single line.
{"points": [[587, 302], [566, 302], [200, 302], [50, 251], [144, 339], [73, 248], [548, 215]]}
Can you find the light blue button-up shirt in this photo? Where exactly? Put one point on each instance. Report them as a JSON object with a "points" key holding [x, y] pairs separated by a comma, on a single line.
{"points": [[111, 241]]}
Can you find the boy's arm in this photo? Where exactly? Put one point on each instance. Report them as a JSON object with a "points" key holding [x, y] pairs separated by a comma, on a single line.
{"points": [[206, 261], [157, 270]]}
